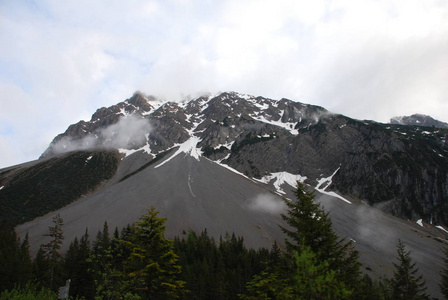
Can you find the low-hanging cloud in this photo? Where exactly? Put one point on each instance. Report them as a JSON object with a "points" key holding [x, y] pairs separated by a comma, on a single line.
{"points": [[267, 203], [375, 229], [129, 132]]}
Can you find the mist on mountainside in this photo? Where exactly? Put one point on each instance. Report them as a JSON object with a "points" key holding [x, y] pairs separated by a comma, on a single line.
{"points": [[129, 132]]}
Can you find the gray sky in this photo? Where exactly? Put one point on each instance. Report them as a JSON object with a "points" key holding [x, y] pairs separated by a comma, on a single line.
{"points": [[367, 59]]}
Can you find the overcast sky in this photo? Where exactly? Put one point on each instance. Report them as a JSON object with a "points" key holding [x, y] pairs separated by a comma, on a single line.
{"points": [[367, 59]]}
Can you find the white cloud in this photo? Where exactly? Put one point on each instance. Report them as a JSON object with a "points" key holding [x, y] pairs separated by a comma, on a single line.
{"points": [[367, 59], [128, 133], [267, 203]]}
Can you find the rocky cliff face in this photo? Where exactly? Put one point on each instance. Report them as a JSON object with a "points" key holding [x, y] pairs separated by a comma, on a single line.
{"points": [[402, 169]]}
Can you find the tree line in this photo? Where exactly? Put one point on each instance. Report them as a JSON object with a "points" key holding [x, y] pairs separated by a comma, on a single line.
{"points": [[138, 262]]}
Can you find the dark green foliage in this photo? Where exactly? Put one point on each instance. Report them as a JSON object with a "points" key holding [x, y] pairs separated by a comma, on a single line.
{"points": [[77, 266], [15, 262], [25, 266], [152, 264], [268, 286], [217, 271], [41, 268], [141, 264], [315, 279], [52, 184], [317, 264], [368, 289], [29, 292], [52, 253], [406, 283], [310, 279], [310, 227], [102, 240]]}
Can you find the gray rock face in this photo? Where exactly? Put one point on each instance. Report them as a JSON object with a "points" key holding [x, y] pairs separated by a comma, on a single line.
{"points": [[419, 120], [402, 169]]}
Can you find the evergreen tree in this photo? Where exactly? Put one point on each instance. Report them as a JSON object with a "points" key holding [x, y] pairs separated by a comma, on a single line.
{"points": [[152, 266], [41, 268], [111, 282], [28, 291], [268, 286], [14, 258], [77, 267], [102, 240], [52, 253], [406, 283], [310, 226], [25, 264], [310, 280], [314, 279]]}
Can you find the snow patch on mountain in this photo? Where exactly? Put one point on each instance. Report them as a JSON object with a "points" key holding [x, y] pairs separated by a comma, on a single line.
{"points": [[188, 147], [219, 162], [441, 228], [226, 145], [328, 181], [282, 178], [288, 125]]}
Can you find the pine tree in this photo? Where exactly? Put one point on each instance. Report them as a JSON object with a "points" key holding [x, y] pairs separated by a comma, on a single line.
{"points": [[406, 283], [41, 268], [152, 266], [102, 240], [14, 258], [25, 266], [268, 286], [51, 249], [310, 226], [77, 266], [444, 279], [314, 279]]}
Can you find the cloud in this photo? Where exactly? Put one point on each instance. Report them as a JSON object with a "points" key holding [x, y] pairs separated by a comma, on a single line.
{"points": [[268, 204], [369, 59], [129, 132], [375, 229]]}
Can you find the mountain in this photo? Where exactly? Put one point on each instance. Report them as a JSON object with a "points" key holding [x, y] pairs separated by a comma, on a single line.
{"points": [[223, 162], [401, 169], [419, 120]]}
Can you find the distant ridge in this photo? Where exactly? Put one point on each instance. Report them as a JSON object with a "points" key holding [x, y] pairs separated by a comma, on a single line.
{"points": [[419, 120]]}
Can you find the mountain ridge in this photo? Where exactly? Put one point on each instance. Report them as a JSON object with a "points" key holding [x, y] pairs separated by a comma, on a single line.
{"points": [[403, 170], [419, 120]]}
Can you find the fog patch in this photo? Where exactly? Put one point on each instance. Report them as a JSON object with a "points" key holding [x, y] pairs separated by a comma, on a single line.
{"points": [[267, 203], [375, 230], [130, 132]]}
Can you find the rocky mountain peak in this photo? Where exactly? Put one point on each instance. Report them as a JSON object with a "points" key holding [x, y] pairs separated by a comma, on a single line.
{"points": [[418, 120], [403, 168]]}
